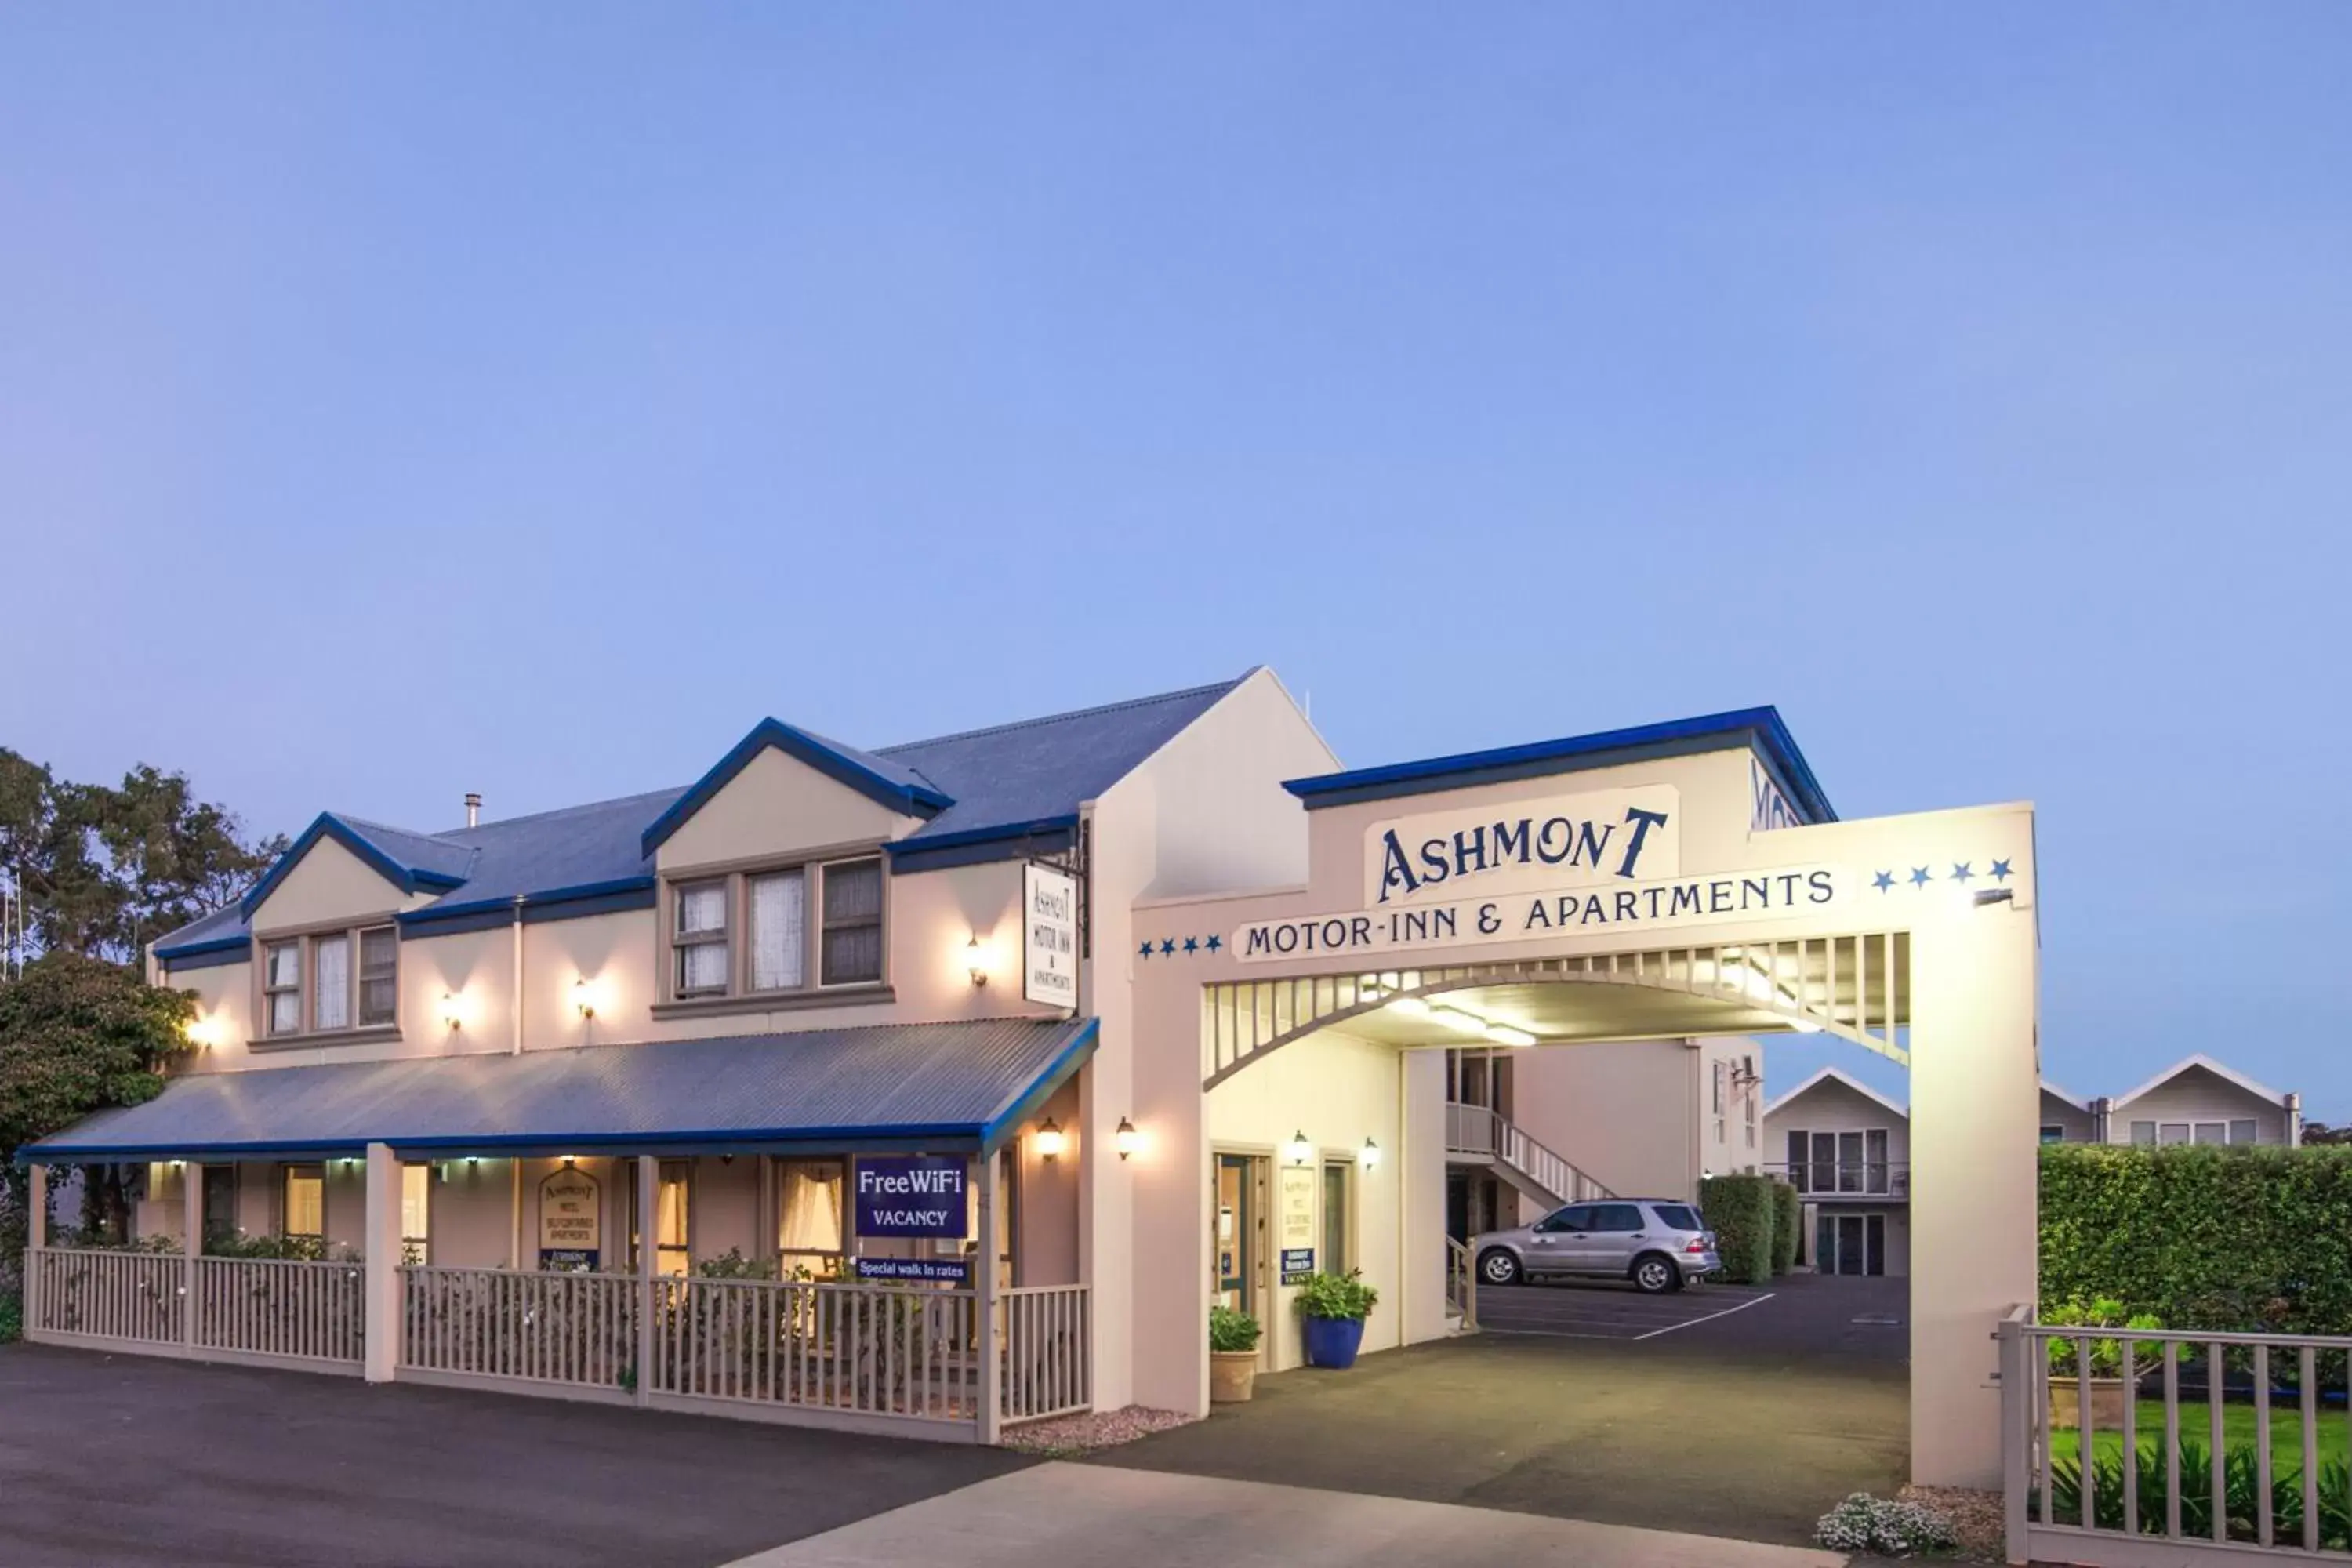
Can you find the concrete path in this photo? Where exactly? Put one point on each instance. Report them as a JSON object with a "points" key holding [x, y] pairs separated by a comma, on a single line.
{"points": [[1074, 1516]]}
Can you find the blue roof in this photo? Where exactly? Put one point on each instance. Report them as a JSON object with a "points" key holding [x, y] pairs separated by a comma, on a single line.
{"points": [[979, 787], [1757, 728], [942, 1085]]}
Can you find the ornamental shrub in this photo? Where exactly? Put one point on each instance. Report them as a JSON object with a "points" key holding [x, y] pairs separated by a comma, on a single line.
{"points": [[2201, 1235], [1344, 1297], [1231, 1330], [1739, 1210], [1881, 1525], [1787, 1216]]}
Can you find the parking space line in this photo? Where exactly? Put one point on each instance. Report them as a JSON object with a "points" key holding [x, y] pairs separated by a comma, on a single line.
{"points": [[1711, 1317]]}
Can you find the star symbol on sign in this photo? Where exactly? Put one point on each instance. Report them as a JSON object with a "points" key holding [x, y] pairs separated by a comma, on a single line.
{"points": [[2000, 870], [1215, 943], [1921, 877], [1167, 947], [1146, 950], [1192, 944], [1962, 873], [1883, 881]]}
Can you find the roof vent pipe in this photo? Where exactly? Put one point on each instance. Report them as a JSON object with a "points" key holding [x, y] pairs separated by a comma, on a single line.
{"points": [[473, 809]]}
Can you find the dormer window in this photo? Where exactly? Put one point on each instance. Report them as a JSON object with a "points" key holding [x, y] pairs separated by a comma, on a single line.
{"points": [[282, 986], [788, 933], [334, 982]]}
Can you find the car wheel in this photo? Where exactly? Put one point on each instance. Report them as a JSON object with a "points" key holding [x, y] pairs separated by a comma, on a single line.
{"points": [[1654, 1274], [1499, 1268]]}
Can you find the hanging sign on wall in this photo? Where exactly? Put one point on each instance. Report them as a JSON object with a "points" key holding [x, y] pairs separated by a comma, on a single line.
{"points": [[571, 1220], [1295, 1210], [913, 1196], [1049, 936]]}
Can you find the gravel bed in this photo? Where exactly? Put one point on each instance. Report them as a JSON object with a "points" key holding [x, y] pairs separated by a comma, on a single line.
{"points": [[1977, 1519], [1090, 1430]]}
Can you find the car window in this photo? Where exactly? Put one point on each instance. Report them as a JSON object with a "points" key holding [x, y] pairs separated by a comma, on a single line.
{"points": [[1615, 1216], [1575, 1217], [1676, 1216]]}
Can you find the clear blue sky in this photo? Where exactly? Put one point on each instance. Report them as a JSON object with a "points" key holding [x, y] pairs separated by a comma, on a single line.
{"points": [[400, 402]]}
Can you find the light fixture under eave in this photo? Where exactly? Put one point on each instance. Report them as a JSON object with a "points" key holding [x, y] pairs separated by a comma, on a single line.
{"points": [[1368, 1157], [1049, 1140], [1126, 1140], [1456, 1019], [1410, 1006], [1505, 1035], [1300, 1149]]}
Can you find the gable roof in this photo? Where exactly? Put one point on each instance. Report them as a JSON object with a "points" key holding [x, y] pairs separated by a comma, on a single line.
{"points": [[2227, 1075], [1002, 785], [1759, 728], [2055, 1092], [1832, 1075]]}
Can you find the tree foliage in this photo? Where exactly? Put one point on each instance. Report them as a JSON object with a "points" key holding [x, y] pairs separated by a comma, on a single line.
{"points": [[108, 868], [76, 1035], [1741, 1210]]}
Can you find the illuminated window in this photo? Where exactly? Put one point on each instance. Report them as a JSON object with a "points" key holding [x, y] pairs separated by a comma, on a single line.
{"points": [[416, 1213], [808, 1207], [305, 1203]]}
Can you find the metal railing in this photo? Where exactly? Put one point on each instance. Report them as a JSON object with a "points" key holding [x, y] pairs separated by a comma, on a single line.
{"points": [[279, 1308], [1482, 1131], [573, 1330], [2089, 1476], [1846, 1178], [1047, 1363], [1462, 1282], [101, 1293]]}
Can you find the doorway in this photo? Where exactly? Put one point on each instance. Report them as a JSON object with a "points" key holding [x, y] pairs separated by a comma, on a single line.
{"points": [[1239, 1206], [1849, 1244]]}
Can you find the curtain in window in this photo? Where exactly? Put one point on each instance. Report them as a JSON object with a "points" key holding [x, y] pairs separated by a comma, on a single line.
{"points": [[811, 1207], [701, 909], [379, 977], [285, 984], [702, 967], [305, 1201], [415, 1205], [333, 956], [778, 930]]}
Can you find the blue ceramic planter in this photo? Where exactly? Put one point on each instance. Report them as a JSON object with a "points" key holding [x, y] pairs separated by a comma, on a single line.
{"points": [[1333, 1342]]}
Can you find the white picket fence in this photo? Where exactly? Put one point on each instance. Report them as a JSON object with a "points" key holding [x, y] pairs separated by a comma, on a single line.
{"points": [[568, 1331], [241, 1309]]}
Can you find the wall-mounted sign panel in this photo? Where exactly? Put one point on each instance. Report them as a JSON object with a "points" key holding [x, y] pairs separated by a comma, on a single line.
{"points": [[571, 1221], [1297, 1264], [1049, 936], [1563, 841], [927, 1270], [920, 1197]]}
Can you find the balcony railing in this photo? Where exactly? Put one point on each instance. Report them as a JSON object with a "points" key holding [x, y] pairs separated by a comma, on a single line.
{"points": [[1847, 1178]]}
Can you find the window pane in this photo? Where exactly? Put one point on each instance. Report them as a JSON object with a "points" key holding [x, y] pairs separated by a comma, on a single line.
{"points": [[702, 967], [1335, 1218], [854, 892], [415, 1204], [2143, 1131], [286, 1013], [2054, 1135], [2172, 1133], [811, 1207], [702, 907], [285, 964], [853, 953], [379, 977], [670, 1255], [1616, 1218], [2212, 1133], [778, 932], [306, 1200], [2242, 1132], [331, 960]]}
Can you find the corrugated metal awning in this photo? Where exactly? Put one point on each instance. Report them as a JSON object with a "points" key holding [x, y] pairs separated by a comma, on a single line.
{"points": [[941, 1087]]}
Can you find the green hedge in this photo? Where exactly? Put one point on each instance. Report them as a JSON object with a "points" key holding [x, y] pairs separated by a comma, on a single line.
{"points": [[2202, 1236], [1740, 1211], [1788, 1214]]}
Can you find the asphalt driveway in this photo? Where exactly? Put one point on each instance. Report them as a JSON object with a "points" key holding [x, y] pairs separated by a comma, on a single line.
{"points": [[1749, 1423], [121, 1461]]}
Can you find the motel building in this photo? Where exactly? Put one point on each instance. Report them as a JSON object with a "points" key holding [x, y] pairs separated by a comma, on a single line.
{"points": [[945, 1086]]}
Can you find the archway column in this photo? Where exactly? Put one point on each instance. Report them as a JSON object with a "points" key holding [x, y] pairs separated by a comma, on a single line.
{"points": [[1974, 1129]]}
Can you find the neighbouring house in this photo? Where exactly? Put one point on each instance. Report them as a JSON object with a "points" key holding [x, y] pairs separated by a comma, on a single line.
{"points": [[1529, 1130], [1846, 1149], [2195, 1100]]}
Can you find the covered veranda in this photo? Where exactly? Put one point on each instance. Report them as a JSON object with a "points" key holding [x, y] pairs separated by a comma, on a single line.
{"points": [[476, 1220]]}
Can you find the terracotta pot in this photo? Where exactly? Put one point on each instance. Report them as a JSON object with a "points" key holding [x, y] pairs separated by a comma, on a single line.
{"points": [[1231, 1376], [2106, 1403]]}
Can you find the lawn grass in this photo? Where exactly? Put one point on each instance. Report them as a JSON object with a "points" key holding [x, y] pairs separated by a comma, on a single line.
{"points": [[2237, 1432]]}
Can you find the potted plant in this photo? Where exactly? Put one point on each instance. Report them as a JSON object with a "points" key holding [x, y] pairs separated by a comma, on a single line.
{"points": [[1335, 1307], [2108, 1383], [1232, 1355]]}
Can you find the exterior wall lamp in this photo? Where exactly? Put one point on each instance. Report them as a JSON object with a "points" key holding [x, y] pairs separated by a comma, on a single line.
{"points": [[453, 1011], [1126, 1140], [1300, 1150], [976, 957], [1049, 1140], [583, 997], [1367, 1158]]}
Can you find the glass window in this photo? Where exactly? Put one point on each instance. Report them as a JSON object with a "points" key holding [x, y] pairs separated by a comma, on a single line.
{"points": [[1874, 1156], [281, 986], [2144, 1132], [2212, 1133], [2053, 1133], [778, 936], [379, 977], [1575, 1217], [305, 1202], [701, 939], [853, 923], [220, 1202], [1721, 1069], [671, 1255], [1678, 1216], [1335, 1218], [415, 1212], [1849, 1155], [1797, 1172], [808, 1207], [2172, 1133], [1616, 1218], [2242, 1132], [331, 971]]}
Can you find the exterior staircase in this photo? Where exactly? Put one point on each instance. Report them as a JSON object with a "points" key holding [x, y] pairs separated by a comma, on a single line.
{"points": [[1479, 1135]]}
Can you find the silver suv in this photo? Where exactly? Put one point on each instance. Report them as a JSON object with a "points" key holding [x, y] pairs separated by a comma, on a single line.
{"points": [[1659, 1244]]}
